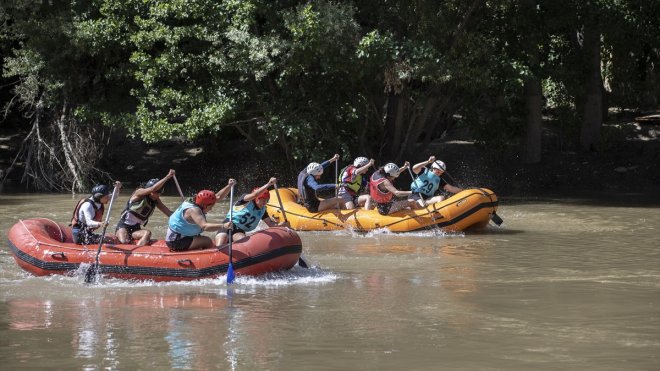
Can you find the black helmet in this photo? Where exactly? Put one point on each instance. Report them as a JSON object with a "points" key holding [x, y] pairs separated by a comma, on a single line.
{"points": [[100, 190], [151, 182]]}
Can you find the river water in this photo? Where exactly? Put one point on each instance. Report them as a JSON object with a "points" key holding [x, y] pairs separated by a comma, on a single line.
{"points": [[564, 284]]}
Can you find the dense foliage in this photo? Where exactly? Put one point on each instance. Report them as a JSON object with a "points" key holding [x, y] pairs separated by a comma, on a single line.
{"points": [[381, 78]]}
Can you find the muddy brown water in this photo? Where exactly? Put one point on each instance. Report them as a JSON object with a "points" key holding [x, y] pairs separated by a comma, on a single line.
{"points": [[563, 284]]}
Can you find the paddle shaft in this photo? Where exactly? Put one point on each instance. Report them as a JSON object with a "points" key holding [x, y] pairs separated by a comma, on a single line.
{"points": [[337, 183], [230, 268], [301, 261], [494, 217], [178, 187], [279, 199], [94, 267], [452, 179]]}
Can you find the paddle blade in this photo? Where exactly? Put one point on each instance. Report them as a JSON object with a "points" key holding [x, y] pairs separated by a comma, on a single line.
{"points": [[90, 275], [496, 219], [302, 263], [230, 273]]}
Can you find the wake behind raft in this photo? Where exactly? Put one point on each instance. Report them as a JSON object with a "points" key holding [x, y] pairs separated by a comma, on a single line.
{"points": [[471, 208], [44, 247]]}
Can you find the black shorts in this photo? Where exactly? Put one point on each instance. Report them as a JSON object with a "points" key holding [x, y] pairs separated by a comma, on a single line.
{"points": [[312, 205], [129, 228], [384, 209], [182, 244]]}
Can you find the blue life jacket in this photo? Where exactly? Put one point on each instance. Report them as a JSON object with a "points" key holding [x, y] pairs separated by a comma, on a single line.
{"points": [[246, 215], [180, 225], [427, 183]]}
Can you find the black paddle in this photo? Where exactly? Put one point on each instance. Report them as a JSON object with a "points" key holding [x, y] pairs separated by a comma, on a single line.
{"points": [[494, 217], [93, 270], [452, 179], [301, 262]]}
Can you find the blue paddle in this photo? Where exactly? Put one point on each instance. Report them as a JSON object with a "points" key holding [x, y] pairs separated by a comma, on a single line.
{"points": [[230, 269]]}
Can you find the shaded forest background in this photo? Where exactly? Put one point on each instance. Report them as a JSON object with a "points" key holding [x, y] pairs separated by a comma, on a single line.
{"points": [[519, 96]]}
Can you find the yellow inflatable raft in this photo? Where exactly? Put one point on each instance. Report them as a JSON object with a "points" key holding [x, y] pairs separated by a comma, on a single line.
{"points": [[469, 208]]}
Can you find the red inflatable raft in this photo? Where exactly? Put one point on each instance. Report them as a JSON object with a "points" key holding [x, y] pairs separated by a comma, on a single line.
{"points": [[44, 247]]}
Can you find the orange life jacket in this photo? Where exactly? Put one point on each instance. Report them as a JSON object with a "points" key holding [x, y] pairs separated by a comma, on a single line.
{"points": [[75, 223], [381, 197]]}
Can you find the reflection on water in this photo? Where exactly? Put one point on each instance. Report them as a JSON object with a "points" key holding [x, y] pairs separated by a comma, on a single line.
{"points": [[559, 285]]}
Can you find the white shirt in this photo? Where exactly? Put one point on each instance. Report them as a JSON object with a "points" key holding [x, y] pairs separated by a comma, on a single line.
{"points": [[86, 214]]}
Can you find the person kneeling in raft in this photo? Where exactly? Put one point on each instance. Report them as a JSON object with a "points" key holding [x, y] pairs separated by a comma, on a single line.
{"points": [[430, 181], [187, 223], [308, 186], [247, 212], [88, 216], [382, 190], [139, 208], [352, 182]]}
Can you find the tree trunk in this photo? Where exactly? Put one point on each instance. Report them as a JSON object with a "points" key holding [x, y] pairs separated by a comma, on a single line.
{"points": [[533, 89], [592, 115], [77, 182]]}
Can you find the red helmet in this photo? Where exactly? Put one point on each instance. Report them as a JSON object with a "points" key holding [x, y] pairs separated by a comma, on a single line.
{"points": [[265, 195], [205, 198]]}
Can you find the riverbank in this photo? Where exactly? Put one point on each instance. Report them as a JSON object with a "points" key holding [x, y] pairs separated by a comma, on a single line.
{"points": [[628, 163]]}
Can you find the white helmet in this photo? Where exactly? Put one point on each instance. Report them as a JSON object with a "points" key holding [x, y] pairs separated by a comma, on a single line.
{"points": [[314, 168], [360, 161], [391, 169], [437, 164]]}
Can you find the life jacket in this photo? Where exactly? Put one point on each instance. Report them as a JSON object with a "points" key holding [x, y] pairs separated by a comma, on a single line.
{"points": [[305, 192], [247, 216], [301, 186], [141, 209], [98, 213], [427, 183], [380, 196], [352, 183], [178, 223]]}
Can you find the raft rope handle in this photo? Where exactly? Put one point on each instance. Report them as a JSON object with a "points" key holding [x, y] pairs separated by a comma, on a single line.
{"points": [[436, 210], [35, 238], [382, 226], [29, 231], [492, 217], [304, 216], [342, 225], [58, 228]]}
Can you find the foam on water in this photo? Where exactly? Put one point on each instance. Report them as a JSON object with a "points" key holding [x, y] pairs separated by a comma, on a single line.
{"points": [[292, 277]]}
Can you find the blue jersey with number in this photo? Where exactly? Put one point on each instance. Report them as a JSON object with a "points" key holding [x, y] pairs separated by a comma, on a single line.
{"points": [[247, 215], [427, 183]]}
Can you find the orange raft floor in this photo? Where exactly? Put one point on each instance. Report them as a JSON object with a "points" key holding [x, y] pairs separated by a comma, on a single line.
{"points": [[44, 247]]}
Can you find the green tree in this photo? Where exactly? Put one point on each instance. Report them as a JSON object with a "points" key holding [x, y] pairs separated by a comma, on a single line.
{"points": [[56, 77]]}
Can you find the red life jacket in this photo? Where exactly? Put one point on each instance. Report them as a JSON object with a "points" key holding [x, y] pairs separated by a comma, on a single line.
{"points": [[98, 215], [376, 193]]}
